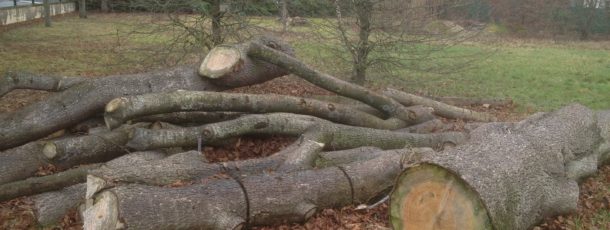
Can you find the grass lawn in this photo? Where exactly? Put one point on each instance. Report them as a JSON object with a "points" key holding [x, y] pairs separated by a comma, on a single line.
{"points": [[538, 75]]}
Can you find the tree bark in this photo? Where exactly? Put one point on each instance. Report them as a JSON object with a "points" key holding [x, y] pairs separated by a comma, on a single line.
{"points": [[125, 108], [50, 207], [262, 52], [82, 8], [47, 13], [284, 15], [507, 176], [24, 161], [440, 108], [82, 101], [104, 6], [234, 203], [291, 125], [35, 185]]}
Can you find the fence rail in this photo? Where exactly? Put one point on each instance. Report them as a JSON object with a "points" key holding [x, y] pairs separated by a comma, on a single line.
{"points": [[18, 3]]}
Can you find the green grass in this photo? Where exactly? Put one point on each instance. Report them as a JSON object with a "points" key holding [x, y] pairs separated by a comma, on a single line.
{"points": [[538, 75]]}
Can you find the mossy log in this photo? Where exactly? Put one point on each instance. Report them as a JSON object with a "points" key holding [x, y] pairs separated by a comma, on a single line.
{"points": [[507, 176]]}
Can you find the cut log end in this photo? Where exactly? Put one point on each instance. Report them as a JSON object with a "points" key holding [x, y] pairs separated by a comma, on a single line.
{"points": [[49, 150], [219, 61], [104, 213], [430, 197]]}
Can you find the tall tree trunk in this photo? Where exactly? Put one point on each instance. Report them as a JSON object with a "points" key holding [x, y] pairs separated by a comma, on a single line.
{"points": [[82, 8], [104, 6], [216, 23], [360, 65], [47, 13], [284, 14]]}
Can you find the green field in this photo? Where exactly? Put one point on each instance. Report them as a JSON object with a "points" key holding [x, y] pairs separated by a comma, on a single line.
{"points": [[539, 75]]}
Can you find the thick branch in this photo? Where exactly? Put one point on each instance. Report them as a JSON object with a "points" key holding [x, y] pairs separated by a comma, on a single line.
{"points": [[35, 185], [126, 108], [440, 108], [82, 101], [190, 117], [261, 52], [293, 125], [22, 80]]}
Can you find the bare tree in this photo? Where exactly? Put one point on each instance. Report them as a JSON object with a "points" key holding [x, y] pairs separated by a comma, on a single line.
{"points": [[186, 28], [390, 33]]}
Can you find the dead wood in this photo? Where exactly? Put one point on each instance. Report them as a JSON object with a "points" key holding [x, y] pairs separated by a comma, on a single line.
{"points": [[291, 125], [22, 80], [507, 176], [125, 108], [440, 108], [253, 200]]}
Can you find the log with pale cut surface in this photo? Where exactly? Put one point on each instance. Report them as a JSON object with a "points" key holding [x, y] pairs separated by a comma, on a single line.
{"points": [[507, 176]]}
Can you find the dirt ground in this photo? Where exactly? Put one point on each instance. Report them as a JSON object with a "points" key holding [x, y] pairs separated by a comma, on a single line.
{"points": [[593, 208]]}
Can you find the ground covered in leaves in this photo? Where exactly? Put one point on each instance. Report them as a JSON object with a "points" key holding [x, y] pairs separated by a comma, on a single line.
{"points": [[594, 203]]}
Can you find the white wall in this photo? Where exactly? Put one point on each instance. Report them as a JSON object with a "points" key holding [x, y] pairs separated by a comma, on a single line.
{"points": [[25, 13]]}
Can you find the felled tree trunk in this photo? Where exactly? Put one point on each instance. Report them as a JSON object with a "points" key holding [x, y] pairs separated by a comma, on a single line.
{"points": [[235, 202], [49, 207], [83, 100], [508, 176]]}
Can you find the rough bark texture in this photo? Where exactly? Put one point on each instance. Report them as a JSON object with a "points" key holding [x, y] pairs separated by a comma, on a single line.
{"points": [[125, 108], [233, 203], [82, 101], [440, 108], [50, 207], [35, 185], [330, 83], [23, 162], [189, 117], [292, 125], [23, 80], [525, 171], [232, 67]]}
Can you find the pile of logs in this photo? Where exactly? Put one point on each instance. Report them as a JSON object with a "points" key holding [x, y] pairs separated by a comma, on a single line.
{"points": [[122, 143]]}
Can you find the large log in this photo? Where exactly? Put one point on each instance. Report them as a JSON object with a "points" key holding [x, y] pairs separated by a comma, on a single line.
{"points": [[50, 207], [507, 176], [236, 202], [84, 100], [23, 161]]}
